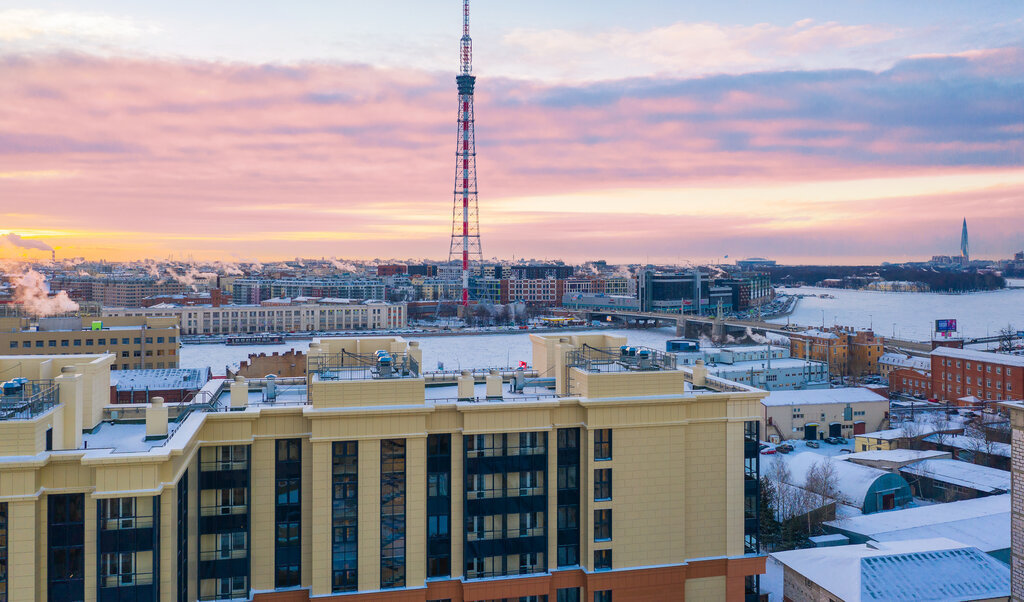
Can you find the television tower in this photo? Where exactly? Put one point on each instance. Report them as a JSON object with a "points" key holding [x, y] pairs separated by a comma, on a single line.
{"points": [[965, 252], [465, 220]]}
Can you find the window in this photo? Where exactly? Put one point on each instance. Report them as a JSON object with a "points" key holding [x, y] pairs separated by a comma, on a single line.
{"points": [[602, 560], [603, 444], [392, 513], [568, 594], [603, 484], [117, 569], [14, 344], [345, 516], [78, 342], [64, 342], [602, 524], [51, 343], [39, 343], [603, 596], [117, 513]]}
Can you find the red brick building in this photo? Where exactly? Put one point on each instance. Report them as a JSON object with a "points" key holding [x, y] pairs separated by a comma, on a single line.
{"points": [[988, 376], [908, 381], [532, 291]]}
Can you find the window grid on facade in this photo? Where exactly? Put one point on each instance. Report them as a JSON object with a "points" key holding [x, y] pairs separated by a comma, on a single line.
{"points": [[602, 560], [224, 542], [392, 513], [182, 554], [603, 444], [3, 551], [288, 513], [505, 504], [603, 484], [568, 497], [602, 524], [439, 547], [127, 544], [66, 547], [345, 516]]}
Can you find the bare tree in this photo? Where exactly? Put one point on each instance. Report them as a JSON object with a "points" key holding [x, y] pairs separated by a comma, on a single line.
{"points": [[823, 482], [1006, 336], [941, 425], [910, 431]]}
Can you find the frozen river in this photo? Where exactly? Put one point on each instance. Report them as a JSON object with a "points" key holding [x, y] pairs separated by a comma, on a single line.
{"points": [[455, 351], [909, 315]]}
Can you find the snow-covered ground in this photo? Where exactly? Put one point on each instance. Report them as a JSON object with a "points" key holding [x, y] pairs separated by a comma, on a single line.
{"points": [[908, 315]]}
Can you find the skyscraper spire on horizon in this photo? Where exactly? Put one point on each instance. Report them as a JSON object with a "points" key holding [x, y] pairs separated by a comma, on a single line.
{"points": [[965, 254]]}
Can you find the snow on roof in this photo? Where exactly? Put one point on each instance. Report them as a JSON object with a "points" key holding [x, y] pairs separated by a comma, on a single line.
{"points": [[157, 380], [993, 448], [818, 334], [839, 569], [822, 396], [853, 480], [886, 435], [956, 472], [895, 455], [906, 361], [980, 356], [953, 574], [982, 522]]}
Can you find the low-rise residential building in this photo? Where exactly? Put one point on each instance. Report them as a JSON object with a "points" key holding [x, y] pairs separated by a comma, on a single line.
{"points": [[910, 381], [277, 315], [137, 342], [768, 368], [820, 413], [985, 375]]}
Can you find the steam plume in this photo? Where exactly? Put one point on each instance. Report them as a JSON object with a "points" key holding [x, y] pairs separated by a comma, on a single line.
{"points": [[33, 294], [26, 243]]}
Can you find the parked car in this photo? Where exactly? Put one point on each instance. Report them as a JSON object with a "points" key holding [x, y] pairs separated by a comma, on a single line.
{"points": [[831, 440], [763, 447], [768, 452], [785, 448], [841, 440], [813, 444]]}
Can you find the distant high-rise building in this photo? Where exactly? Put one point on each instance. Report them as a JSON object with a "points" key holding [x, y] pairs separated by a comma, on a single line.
{"points": [[965, 254]]}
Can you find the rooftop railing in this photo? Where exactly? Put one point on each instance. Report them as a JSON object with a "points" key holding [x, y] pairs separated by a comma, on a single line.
{"points": [[357, 366], [627, 358], [30, 399]]}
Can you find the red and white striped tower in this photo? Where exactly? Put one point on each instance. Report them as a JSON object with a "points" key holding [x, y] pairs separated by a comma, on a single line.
{"points": [[465, 220]]}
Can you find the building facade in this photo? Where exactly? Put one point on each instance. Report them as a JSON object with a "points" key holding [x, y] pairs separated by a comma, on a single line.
{"points": [[358, 482], [1016, 411], [988, 376], [820, 413], [849, 352], [271, 317], [255, 290], [137, 342]]}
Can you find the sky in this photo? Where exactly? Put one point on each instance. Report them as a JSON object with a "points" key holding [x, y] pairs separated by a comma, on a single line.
{"points": [[640, 131]]}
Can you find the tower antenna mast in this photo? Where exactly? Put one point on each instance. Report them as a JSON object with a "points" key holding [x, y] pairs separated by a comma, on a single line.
{"points": [[465, 218]]}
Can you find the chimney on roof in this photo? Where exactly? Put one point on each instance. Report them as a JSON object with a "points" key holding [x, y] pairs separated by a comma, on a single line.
{"points": [[239, 393], [700, 374], [156, 419], [466, 385], [494, 385]]}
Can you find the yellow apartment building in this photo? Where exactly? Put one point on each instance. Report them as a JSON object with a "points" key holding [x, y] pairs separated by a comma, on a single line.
{"points": [[849, 352], [135, 342], [610, 475]]}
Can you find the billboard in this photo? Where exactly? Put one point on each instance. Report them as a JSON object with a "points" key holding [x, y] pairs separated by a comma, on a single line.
{"points": [[945, 325]]}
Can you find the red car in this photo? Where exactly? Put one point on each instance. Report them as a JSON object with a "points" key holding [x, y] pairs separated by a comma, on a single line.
{"points": [[768, 452]]}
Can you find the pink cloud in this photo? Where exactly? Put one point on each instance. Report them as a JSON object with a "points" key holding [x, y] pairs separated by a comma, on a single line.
{"points": [[150, 157]]}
